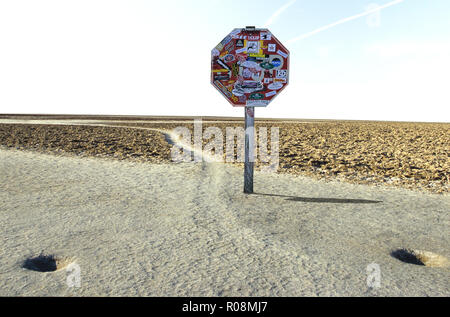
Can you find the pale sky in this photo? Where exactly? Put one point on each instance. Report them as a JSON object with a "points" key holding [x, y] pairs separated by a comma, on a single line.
{"points": [[153, 57]]}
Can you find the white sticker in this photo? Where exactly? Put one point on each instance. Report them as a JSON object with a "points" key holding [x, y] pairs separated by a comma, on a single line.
{"points": [[267, 80], [275, 86], [272, 48], [215, 52], [250, 64], [282, 53], [221, 63], [257, 103], [238, 92], [241, 50], [253, 37], [235, 32], [270, 94], [266, 36], [252, 47], [282, 73]]}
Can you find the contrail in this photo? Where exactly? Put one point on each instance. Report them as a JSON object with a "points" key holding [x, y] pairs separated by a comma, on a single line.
{"points": [[326, 27], [277, 13]]}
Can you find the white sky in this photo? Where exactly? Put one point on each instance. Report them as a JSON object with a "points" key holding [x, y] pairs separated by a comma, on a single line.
{"points": [[153, 58]]}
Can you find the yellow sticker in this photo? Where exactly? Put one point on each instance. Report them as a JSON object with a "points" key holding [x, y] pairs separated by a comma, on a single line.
{"points": [[261, 47], [257, 55]]}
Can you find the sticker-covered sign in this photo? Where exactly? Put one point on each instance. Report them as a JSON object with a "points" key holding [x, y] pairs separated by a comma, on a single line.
{"points": [[250, 67]]}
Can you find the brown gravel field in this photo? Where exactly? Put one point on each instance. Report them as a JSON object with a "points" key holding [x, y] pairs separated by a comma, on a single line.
{"points": [[408, 155]]}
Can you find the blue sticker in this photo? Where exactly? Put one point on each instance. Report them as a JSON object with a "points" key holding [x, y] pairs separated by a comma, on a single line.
{"points": [[276, 62]]}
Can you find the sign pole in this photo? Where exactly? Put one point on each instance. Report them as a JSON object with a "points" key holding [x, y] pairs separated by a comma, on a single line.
{"points": [[249, 149]]}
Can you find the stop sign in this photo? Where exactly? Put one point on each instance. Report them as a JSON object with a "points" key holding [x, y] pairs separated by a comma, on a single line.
{"points": [[250, 67]]}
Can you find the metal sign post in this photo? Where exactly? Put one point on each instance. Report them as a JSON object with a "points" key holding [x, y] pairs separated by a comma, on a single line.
{"points": [[250, 67], [249, 149]]}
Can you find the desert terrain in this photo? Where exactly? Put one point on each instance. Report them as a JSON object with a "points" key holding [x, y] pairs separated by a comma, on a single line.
{"points": [[104, 194], [407, 155]]}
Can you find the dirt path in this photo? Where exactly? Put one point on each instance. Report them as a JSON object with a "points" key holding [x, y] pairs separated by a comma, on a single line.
{"points": [[187, 229]]}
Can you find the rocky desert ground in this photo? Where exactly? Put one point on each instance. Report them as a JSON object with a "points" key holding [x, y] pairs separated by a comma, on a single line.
{"points": [[409, 155]]}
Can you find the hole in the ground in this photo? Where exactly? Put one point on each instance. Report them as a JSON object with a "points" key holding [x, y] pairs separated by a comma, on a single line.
{"points": [[46, 263], [406, 256], [419, 257]]}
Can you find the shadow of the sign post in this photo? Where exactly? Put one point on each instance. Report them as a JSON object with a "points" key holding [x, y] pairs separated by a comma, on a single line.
{"points": [[323, 200]]}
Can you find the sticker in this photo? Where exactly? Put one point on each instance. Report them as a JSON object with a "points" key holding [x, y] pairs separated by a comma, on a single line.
{"points": [[226, 40], [246, 73], [252, 47], [238, 92], [219, 47], [268, 73], [229, 58], [276, 62], [250, 64], [280, 80], [282, 54], [257, 103], [258, 55], [229, 47], [222, 77], [267, 80], [235, 32], [220, 71], [282, 73], [222, 88], [270, 94], [215, 52], [241, 57], [235, 69], [250, 112], [241, 50], [266, 36], [239, 43], [249, 86], [266, 65], [275, 86], [272, 48], [256, 96], [221, 63]]}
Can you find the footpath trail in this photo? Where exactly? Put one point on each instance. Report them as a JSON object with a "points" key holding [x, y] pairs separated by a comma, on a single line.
{"points": [[187, 229]]}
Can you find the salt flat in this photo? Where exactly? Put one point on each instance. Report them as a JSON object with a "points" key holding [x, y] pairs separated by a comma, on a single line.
{"points": [[139, 229]]}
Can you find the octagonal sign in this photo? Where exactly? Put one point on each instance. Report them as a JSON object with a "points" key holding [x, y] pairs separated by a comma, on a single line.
{"points": [[250, 67]]}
